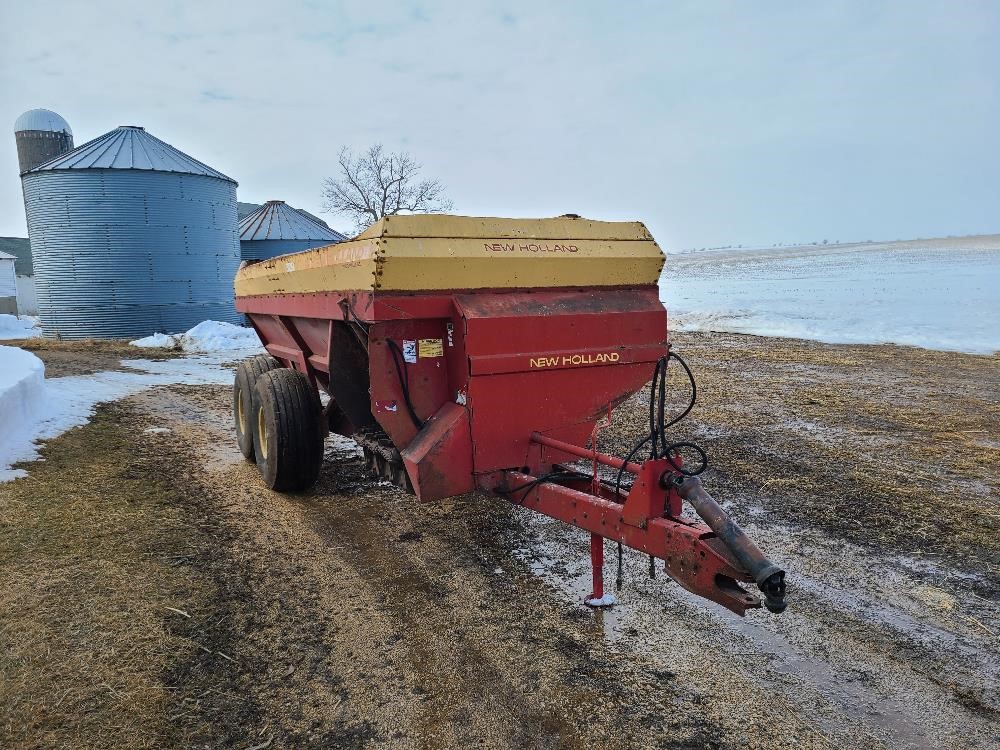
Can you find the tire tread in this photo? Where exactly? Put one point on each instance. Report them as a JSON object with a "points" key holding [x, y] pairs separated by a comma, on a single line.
{"points": [[247, 373], [297, 418]]}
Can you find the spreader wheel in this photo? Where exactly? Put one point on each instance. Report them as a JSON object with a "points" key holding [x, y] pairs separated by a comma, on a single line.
{"points": [[288, 430], [246, 376]]}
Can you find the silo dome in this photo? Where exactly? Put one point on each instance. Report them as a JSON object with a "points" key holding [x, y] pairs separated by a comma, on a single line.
{"points": [[131, 236], [41, 135], [277, 229], [42, 119]]}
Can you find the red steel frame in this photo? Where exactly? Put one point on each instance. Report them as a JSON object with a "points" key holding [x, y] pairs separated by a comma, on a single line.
{"points": [[523, 378]]}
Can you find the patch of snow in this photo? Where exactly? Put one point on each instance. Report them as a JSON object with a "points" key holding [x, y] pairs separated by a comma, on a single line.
{"points": [[931, 296], [23, 399], [344, 446], [207, 336], [19, 327], [157, 341], [59, 404], [155, 430], [608, 600]]}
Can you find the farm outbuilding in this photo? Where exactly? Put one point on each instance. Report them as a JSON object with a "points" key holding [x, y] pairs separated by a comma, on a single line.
{"points": [[276, 228], [130, 236], [8, 285], [20, 248]]}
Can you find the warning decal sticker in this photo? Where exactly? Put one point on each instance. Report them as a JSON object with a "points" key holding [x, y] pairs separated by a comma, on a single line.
{"points": [[410, 352], [431, 347]]}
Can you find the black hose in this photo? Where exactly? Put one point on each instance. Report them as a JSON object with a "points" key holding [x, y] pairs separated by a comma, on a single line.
{"points": [[658, 425], [694, 390], [404, 383], [652, 405], [661, 410], [702, 456]]}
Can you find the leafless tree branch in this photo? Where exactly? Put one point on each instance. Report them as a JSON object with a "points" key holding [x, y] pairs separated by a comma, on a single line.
{"points": [[375, 183]]}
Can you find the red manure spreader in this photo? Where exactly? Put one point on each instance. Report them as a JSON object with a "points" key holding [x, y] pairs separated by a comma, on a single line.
{"points": [[467, 353]]}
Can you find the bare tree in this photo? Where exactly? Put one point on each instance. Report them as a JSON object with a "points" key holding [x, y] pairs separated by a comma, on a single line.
{"points": [[376, 183]]}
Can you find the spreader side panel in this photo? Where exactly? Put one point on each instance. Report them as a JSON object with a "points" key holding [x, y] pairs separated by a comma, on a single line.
{"points": [[552, 362]]}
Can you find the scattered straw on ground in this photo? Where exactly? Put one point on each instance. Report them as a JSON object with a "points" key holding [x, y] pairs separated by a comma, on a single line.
{"points": [[87, 356], [149, 600], [89, 588]]}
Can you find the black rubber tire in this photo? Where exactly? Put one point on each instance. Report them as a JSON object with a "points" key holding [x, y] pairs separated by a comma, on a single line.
{"points": [[290, 450], [246, 377]]}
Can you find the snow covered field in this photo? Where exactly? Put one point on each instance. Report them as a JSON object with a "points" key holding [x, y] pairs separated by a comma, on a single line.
{"points": [[937, 294]]}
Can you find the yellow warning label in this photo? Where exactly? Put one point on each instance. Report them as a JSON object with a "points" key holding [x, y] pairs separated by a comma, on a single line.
{"points": [[431, 347]]}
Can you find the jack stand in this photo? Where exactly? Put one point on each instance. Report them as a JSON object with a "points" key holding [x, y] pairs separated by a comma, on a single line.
{"points": [[597, 597]]}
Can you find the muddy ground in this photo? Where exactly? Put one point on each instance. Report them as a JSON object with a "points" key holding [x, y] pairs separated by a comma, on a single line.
{"points": [[154, 594]]}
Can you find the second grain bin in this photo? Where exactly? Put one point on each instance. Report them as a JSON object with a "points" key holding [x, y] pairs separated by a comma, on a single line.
{"points": [[278, 229], [130, 236]]}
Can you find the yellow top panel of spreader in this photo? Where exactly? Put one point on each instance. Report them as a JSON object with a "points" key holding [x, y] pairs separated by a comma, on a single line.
{"points": [[438, 252]]}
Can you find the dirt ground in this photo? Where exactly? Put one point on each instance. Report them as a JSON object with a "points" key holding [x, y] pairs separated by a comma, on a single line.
{"points": [[154, 594]]}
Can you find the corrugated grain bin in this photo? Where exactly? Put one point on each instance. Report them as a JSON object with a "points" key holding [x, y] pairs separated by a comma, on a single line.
{"points": [[278, 229], [130, 236]]}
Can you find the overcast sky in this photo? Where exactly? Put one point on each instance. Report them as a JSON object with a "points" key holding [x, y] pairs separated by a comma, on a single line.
{"points": [[716, 123]]}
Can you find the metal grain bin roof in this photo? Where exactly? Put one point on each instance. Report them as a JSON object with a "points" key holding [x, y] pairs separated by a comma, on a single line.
{"points": [[245, 209], [130, 147], [276, 220], [42, 119]]}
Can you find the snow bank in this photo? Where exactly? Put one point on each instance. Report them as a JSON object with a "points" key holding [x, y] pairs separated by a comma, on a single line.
{"points": [[44, 408], [23, 327], [22, 399], [207, 336]]}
